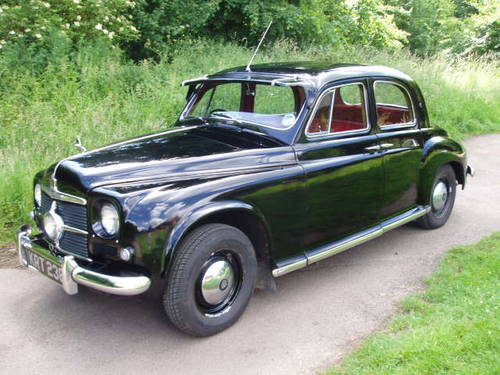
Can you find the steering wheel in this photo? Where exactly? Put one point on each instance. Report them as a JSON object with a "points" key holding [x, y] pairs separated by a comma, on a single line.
{"points": [[217, 110]]}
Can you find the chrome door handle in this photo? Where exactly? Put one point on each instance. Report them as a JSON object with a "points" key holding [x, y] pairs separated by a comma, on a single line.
{"points": [[372, 148], [387, 145]]}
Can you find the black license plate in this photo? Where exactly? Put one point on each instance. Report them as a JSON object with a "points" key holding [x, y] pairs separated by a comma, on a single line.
{"points": [[48, 268]]}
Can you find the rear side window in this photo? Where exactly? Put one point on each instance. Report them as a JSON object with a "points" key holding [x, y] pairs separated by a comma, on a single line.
{"points": [[393, 105], [341, 110]]}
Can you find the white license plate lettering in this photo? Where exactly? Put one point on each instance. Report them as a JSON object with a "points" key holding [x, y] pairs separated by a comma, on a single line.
{"points": [[45, 266]]}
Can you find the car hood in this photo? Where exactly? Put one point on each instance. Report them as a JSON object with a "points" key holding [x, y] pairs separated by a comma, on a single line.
{"points": [[172, 155]]}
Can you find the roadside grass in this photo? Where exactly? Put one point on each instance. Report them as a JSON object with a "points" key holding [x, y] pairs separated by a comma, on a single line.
{"points": [[451, 328], [98, 95]]}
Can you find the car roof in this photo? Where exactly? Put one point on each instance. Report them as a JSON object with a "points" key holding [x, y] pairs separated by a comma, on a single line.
{"points": [[314, 73]]}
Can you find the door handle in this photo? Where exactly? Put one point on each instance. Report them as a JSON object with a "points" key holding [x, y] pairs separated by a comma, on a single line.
{"points": [[387, 145], [372, 148]]}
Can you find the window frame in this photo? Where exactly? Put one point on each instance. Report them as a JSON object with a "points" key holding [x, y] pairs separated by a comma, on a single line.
{"points": [[329, 134], [411, 124]]}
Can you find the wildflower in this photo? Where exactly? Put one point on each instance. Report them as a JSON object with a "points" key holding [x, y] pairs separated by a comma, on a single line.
{"points": [[43, 28], [39, 36], [105, 31], [66, 25], [76, 1], [1, 10], [12, 32], [27, 30], [79, 18], [1, 46], [46, 5], [98, 26], [76, 23]]}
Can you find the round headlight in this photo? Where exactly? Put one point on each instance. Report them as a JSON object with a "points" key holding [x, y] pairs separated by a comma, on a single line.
{"points": [[110, 219], [53, 225], [38, 194]]}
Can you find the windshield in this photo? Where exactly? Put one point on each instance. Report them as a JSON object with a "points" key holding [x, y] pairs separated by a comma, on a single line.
{"points": [[272, 106]]}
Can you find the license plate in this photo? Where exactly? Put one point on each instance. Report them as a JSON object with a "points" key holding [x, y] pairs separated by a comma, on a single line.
{"points": [[45, 266]]}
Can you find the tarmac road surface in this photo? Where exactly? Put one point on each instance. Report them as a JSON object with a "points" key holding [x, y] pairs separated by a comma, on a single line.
{"points": [[317, 316]]}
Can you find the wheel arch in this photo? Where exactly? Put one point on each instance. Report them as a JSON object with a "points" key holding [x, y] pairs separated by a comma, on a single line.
{"points": [[240, 215], [440, 151]]}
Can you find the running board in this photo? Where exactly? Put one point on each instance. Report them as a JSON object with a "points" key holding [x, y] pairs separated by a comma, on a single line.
{"points": [[323, 252]]}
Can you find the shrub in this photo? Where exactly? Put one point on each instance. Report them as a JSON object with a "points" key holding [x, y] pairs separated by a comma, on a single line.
{"points": [[32, 21]]}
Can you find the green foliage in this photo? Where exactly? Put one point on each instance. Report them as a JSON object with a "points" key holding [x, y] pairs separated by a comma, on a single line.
{"points": [[153, 28], [96, 93], [33, 21], [163, 23], [452, 328], [456, 26]]}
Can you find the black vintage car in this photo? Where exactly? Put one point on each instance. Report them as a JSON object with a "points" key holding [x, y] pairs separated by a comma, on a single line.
{"points": [[267, 171]]}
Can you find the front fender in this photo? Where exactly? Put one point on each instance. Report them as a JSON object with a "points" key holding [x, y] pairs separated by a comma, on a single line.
{"points": [[181, 228]]}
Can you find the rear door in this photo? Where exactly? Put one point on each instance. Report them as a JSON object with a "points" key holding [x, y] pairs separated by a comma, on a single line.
{"points": [[401, 144], [343, 166]]}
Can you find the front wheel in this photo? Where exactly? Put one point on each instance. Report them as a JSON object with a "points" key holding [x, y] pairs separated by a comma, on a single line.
{"points": [[211, 280], [442, 199]]}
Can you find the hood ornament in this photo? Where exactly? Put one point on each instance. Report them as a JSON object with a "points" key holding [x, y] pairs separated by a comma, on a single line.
{"points": [[78, 143]]}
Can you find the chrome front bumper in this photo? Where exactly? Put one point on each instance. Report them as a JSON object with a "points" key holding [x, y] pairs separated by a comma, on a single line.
{"points": [[73, 274]]}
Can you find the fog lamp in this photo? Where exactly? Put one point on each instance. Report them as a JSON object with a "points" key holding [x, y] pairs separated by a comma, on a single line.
{"points": [[53, 225], [126, 253]]}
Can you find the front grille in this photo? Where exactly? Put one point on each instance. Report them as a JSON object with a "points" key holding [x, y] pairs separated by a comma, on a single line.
{"points": [[74, 243], [75, 216], [72, 214]]}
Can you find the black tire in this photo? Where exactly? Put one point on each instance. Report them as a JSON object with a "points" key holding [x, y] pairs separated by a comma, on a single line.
{"points": [[437, 217], [183, 298]]}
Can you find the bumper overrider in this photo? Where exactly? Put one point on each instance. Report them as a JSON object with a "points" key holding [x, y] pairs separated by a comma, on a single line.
{"points": [[67, 271]]}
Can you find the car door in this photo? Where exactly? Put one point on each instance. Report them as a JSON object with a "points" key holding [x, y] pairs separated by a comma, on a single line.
{"points": [[401, 144], [343, 166]]}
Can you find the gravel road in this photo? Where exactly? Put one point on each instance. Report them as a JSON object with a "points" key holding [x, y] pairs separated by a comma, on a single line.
{"points": [[316, 317]]}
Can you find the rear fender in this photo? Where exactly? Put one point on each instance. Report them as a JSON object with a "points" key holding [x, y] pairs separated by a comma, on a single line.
{"points": [[437, 152]]}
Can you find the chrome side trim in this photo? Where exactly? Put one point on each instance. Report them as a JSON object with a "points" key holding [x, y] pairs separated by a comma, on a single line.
{"points": [[342, 245], [73, 274], [54, 193], [404, 218], [277, 272], [336, 247]]}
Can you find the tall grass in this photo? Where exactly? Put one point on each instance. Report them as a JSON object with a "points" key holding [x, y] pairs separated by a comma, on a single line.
{"points": [[47, 101]]}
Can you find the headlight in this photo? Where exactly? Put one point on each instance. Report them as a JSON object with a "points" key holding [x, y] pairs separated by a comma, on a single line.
{"points": [[38, 194], [110, 219]]}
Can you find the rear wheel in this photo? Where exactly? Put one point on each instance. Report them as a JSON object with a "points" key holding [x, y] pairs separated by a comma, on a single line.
{"points": [[211, 280], [442, 199]]}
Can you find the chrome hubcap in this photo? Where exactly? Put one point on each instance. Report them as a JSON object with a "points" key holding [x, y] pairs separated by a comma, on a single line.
{"points": [[439, 196], [218, 281]]}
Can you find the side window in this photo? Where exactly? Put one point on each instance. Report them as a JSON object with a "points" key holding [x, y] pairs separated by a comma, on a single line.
{"points": [[341, 110], [393, 105], [349, 110]]}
